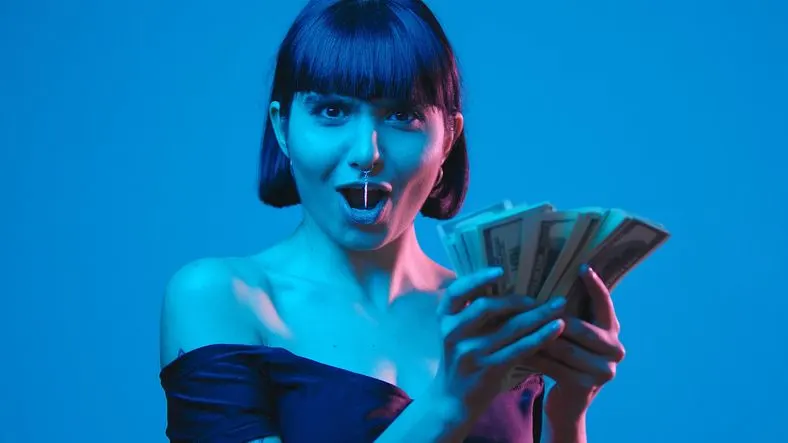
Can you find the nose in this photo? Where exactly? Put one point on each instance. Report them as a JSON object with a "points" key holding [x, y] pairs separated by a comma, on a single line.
{"points": [[365, 153]]}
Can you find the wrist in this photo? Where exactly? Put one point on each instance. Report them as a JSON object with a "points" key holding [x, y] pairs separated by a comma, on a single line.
{"points": [[564, 415], [564, 428], [565, 405], [570, 420]]}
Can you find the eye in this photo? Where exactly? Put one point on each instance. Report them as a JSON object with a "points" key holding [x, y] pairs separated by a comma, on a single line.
{"points": [[405, 117], [330, 111]]}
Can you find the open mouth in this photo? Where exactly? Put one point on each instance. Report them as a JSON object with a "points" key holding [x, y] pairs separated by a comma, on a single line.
{"points": [[356, 199]]}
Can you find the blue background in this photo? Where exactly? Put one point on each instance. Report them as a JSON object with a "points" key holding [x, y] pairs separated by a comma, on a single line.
{"points": [[129, 135]]}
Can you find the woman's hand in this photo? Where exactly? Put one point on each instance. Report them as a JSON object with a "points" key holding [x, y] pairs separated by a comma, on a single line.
{"points": [[476, 358], [583, 359]]}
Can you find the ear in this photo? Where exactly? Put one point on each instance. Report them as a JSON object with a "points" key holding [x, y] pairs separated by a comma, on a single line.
{"points": [[457, 127], [278, 124]]}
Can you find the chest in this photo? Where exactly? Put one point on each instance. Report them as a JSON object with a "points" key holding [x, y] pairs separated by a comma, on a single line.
{"points": [[401, 346]]}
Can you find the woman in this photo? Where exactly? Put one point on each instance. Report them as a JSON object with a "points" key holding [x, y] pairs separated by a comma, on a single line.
{"points": [[346, 331]]}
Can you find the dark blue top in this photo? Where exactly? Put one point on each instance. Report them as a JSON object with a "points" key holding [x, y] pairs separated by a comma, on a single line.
{"points": [[237, 393]]}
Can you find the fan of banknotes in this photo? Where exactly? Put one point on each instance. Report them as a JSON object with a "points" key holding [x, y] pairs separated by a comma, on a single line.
{"points": [[541, 249]]}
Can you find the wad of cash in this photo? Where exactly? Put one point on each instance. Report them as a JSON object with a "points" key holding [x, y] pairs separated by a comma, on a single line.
{"points": [[541, 249]]}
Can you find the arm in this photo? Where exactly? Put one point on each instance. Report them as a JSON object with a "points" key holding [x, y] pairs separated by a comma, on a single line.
{"points": [[464, 388], [556, 427], [199, 309], [549, 430], [570, 431], [579, 365]]}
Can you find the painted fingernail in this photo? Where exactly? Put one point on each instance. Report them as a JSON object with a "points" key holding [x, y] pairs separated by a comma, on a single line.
{"points": [[584, 269]]}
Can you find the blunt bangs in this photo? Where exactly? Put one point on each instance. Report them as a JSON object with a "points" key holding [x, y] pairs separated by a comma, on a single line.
{"points": [[367, 49], [371, 50]]}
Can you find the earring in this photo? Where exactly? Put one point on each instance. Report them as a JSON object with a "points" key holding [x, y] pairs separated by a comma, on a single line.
{"points": [[440, 176], [292, 173]]}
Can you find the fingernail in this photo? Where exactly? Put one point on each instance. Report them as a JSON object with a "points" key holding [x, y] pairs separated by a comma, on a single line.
{"points": [[584, 269], [557, 302], [496, 271]]}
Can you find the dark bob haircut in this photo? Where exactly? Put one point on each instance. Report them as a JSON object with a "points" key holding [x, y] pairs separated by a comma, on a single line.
{"points": [[367, 49]]}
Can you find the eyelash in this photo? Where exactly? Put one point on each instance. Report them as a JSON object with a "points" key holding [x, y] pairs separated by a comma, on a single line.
{"points": [[413, 114], [318, 111]]}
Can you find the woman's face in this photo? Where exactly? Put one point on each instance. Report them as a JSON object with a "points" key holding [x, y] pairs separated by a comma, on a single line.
{"points": [[332, 139]]}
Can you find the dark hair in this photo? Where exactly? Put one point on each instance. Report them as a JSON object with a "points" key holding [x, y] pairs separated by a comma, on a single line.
{"points": [[367, 49]]}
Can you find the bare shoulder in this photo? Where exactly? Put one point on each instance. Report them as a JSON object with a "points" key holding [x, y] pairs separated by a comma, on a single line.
{"points": [[202, 306]]}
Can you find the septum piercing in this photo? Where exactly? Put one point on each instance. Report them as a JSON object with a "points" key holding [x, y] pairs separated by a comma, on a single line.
{"points": [[366, 186]]}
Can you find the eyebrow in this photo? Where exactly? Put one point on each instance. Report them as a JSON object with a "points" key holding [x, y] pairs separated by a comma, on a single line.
{"points": [[314, 97]]}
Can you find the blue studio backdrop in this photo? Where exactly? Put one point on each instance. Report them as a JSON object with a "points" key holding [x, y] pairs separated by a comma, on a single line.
{"points": [[129, 137]]}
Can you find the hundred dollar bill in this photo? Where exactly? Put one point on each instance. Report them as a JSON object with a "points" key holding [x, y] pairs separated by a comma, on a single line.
{"points": [[502, 238], [494, 238], [458, 255], [548, 240], [630, 241], [571, 257], [467, 235], [583, 232], [611, 220], [627, 246]]}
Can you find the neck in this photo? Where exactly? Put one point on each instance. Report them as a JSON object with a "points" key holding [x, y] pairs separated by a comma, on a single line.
{"points": [[378, 275]]}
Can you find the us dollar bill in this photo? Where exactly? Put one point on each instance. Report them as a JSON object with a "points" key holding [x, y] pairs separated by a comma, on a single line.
{"points": [[455, 250], [629, 243], [582, 233], [501, 241], [547, 241]]}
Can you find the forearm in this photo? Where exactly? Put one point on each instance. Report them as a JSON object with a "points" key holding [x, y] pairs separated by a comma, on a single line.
{"points": [[563, 429], [430, 420]]}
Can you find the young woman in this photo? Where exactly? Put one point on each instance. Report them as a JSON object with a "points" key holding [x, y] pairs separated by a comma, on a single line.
{"points": [[346, 331]]}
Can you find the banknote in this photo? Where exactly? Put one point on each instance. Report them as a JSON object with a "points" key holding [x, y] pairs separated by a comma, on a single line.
{"points": [[549, 237], [501, 240], [466, 235], [541, 249], [582, 232], [455, 251], [604, 226], [629, 243]]}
